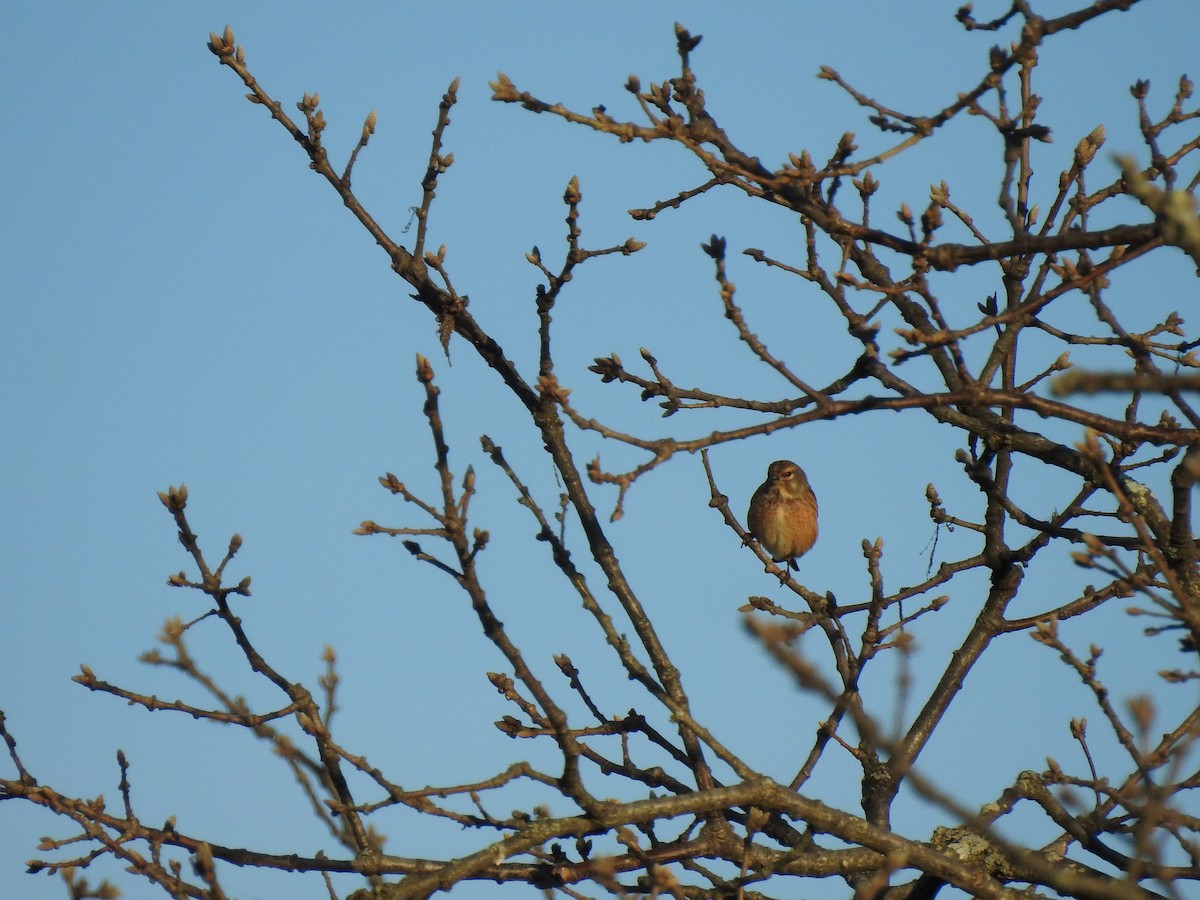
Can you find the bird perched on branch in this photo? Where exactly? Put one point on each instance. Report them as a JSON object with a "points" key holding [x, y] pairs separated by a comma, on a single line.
{"points": [[783, 513]]}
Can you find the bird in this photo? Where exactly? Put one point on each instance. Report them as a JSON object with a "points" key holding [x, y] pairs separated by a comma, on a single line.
{"points": [[783, 513]]}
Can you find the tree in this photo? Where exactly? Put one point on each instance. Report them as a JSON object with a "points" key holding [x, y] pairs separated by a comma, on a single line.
{"points": [[956, 319]]}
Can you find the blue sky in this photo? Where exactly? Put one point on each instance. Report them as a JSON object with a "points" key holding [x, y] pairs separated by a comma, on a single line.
{"points": [[185, 302]]}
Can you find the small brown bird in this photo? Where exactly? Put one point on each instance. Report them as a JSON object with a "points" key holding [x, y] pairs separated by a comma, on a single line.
{"points": [[783, 513]]}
